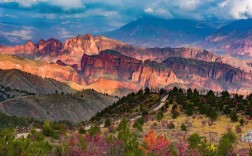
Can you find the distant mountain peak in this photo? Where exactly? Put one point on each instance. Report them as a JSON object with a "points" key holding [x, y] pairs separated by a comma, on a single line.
{"points": [[150, 31]]}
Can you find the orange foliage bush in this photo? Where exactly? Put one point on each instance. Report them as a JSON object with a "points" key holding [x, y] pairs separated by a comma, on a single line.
{"points": [[156, 145]]}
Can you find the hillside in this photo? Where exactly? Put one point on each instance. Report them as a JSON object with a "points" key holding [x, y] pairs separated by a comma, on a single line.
{"points": [[16, 79], [76, 107], [175, 122], [8, 93]]}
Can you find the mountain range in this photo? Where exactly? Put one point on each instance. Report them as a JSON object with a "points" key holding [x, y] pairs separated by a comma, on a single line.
{"points": [[84, 62], [155, 32], [231, 38], [45, 80], [234, 39]]}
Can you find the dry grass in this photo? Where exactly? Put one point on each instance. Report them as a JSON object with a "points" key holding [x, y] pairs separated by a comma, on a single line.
{"points": [[212, 133]]}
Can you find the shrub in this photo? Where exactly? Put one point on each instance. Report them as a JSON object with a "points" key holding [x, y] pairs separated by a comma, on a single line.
{"points": [[175, 115], [49, 131], [94, 130], [167, 104], [226, 143], [212, 115], [138, 124], [82, 130], [107, 122], [234, 117], [171, 125], [194, 140], [159, 115], [241, 121], [183, 127]]}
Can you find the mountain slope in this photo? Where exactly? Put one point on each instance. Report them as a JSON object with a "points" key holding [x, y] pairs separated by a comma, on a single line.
{"points": [[16, 79], [154, 32], [234, 39], [76, 107], [8, 93]]}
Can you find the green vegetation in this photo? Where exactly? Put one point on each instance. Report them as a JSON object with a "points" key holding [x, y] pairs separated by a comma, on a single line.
{"points": [[211, 105], [138, 124], [183, 127], [140, 102], [60, 138], [13, 121], [226, 143]]}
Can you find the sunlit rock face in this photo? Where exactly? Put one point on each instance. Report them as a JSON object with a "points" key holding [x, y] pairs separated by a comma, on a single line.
{"points": [[85, 62], [72, 50], [212, 75]]}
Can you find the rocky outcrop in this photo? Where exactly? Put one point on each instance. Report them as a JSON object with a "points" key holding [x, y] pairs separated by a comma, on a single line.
{"points": [[84, 62], [212, 75], [73, 49], [109, 62], [51, 47]]}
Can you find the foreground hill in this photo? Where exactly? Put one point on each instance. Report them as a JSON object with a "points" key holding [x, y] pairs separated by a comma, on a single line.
{"points": [[8, 93], [16, 79], [76, 107]]}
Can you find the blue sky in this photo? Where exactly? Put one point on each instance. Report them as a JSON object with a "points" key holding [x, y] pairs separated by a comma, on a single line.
{"points": [[22, 20]]}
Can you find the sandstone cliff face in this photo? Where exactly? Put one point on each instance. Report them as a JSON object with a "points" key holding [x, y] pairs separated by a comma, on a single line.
{"points": [[215, 75], [45, 70], [109, 63], [84, 61], [73, 49]]}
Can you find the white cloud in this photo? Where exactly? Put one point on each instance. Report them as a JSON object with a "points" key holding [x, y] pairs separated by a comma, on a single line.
{"points": [[26, 4], [148, 10], [92, 12], [189, 4], [63, 33], [241, 9], [235, 9], [67, 4], [16, 35]]}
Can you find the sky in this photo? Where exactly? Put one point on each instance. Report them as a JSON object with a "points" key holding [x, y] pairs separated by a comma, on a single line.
{"points": [[22, 20]]}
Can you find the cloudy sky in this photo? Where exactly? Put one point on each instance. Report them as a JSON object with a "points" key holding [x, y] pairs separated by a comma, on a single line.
{"points": [[22, 20]]}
